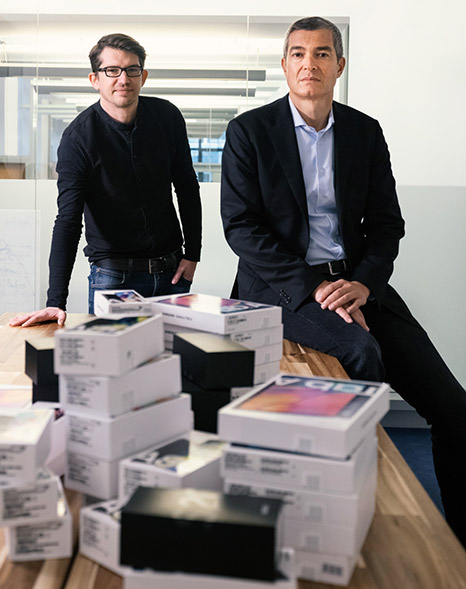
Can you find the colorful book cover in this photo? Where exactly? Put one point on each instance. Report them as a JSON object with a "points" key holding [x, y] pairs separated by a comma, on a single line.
{"points": [[109, 326], [311, 396], [212, 304], [182, 456], [123, 296]]}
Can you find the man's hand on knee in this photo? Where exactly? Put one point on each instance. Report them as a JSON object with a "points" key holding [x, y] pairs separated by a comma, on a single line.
{"points": [[329, 293], [342, 293], [47, 314]]}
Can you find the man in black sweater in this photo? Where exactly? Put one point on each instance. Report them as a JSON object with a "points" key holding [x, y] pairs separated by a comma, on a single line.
{"points": [[117, 162]]}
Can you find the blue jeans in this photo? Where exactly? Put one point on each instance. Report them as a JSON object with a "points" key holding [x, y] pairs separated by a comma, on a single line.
{"points": [[147, 285]]}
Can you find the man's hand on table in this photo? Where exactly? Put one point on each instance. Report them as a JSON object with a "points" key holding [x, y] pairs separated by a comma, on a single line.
{"points": [[36, 317], [345, 298]]}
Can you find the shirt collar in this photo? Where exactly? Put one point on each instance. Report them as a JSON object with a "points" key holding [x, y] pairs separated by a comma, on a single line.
{"points": [[300, 122]]}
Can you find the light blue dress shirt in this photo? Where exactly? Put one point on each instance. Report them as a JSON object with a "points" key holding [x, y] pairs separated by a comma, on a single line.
{"points": [[316, 154]]}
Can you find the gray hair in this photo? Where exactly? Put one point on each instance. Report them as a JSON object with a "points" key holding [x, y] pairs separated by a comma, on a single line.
{"points": [[314, 23]]}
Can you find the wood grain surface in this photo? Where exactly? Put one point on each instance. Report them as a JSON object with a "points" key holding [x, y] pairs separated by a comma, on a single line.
{"points": [[409, 545]]}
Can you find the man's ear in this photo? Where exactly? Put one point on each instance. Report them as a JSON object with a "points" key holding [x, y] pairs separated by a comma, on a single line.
{"points": [[145, 73], [284, 65], [94, 80], [341, 66]]}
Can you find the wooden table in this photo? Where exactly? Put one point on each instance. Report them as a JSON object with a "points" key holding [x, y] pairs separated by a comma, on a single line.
{"points": [[409, 545]]}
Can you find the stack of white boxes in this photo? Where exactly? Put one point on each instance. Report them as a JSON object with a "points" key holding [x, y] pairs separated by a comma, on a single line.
{"points": [[121, 394], [191, 460], [33, 507], [310, 442], [253, 325]]}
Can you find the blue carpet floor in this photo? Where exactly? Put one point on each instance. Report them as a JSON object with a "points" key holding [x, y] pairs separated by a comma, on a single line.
{"points": [[414, 444]]}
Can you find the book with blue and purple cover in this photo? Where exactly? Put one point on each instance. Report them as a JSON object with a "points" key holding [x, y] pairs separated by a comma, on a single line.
{"points": [[312, 415]]}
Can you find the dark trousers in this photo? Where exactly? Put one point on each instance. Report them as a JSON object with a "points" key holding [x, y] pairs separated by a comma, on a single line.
{"points": [[399, 352]]}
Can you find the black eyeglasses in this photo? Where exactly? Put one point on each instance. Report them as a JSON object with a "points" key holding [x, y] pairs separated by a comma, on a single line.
{"points": [[132, 71]]}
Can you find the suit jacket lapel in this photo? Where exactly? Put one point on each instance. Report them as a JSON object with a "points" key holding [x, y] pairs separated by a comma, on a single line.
{"points": [[283, 137], [343, 153]]}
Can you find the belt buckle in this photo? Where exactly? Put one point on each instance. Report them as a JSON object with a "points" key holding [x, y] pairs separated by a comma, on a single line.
{"points": [[157, 265], [335, 273]]}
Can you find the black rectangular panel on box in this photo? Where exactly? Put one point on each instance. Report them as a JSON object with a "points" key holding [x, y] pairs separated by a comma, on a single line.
{"points": [[39, 360], [197, 531], [205, 404], [214, 361], [45, 392]]}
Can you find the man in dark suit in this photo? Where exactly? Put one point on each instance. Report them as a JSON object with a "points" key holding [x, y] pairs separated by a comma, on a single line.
{"points": [[117, 163], [309, 205]]}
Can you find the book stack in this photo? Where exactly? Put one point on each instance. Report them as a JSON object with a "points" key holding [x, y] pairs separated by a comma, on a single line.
{"points": [[188, 538], [225, 345], [33, 507], [253, 325], [211, 365], [310, 442], [100, 540], [121, 394], [191, 460]]}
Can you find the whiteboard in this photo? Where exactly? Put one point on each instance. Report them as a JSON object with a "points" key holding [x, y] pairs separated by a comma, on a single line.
{"points": [[17, 259]]}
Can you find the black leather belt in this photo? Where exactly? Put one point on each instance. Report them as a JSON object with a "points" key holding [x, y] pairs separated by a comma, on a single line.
{"points": [[333, 268], [150, 265]]}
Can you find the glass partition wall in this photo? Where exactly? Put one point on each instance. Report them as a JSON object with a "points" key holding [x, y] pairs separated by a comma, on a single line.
{"points": [[211, 67]]}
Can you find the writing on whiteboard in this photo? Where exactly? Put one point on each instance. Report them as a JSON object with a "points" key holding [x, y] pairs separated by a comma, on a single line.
{"points": [[17, 260]]}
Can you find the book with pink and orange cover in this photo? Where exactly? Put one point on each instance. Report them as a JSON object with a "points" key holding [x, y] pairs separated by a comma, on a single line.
{"points": [[309, 415], [216, 314]]}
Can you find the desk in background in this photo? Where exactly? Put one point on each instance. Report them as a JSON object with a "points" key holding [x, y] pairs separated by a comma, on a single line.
{"points": [[409, 545]]}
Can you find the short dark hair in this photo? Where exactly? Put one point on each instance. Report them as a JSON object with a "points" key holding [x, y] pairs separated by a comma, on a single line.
{"points": [[116, 41], [314, 23]]}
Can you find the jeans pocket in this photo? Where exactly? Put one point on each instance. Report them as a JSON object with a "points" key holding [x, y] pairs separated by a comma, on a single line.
{"points": [[183, 285], [105, 278]]}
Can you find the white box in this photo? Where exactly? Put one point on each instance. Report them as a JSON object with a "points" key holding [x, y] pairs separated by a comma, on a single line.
{"points": [[299, 471], [92, 476], [192, 461], [153, 579], [149, 579], [329, 538], [43, 540], [215, 314], [14, 398], [324, 568], [100, 541], [29, 502], [321, 416], [114, 395], [309, 506], [237, 392], [56, 460], [264, 372], [269, 354], [111, 303], [251, 339], [108, 347], [99, 534], [117, 437], [25, 439]]}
